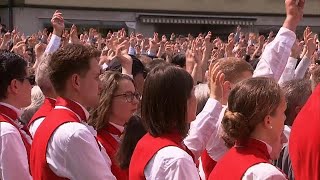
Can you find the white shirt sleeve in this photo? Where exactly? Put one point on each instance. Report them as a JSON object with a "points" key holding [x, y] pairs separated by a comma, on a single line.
{"points": [[203, 127], [34, 126], [73, 153], [216, 147], [289, 71], [53, 44], [263, 171], [275, 56], [171, 163], [13, 158], [302, 68]]}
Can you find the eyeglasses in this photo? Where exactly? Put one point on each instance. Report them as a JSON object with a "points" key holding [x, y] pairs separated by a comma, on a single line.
{"points": [[130, 96], [31, 79]]}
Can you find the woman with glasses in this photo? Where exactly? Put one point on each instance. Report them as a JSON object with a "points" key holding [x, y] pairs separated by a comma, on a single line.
{"points": [[118, 102]]}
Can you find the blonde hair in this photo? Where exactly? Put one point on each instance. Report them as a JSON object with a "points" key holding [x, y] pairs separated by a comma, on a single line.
{"points": [[110, 83]]}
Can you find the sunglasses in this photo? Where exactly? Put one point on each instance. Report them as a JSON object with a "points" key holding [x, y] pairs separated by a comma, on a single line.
{"points": [[130, 96], [31, 79]]}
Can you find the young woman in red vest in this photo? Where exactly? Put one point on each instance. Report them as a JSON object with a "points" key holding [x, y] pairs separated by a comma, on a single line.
{"points": [[118, 102], [168, 105], [253, 125]]}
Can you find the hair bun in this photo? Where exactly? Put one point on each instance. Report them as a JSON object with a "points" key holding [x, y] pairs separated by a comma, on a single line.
{"points": [[235, 126]]}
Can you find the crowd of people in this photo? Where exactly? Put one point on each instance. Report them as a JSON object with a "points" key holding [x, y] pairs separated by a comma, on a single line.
{"points": [[117, 106]]}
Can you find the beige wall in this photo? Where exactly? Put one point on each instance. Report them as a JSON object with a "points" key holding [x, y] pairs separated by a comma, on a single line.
{"points": [[234, 6]]}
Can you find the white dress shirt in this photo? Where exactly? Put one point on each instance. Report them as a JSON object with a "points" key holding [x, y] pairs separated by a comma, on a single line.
{"points": [[13, 155], [171, 163], [203, 127], [53, 44], [263, 171], [174, 163], [35, 125], [291, 72], [276, 54], [73, 152]]}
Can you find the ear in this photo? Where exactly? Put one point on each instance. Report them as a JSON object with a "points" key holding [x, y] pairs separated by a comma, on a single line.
{"points": [[267, 122], [226, 87], [297, 109], [13, 87], [75, 81]]}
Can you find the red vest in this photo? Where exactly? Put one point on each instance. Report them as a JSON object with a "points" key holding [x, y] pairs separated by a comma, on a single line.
{"points": [[43, 111], [8, 115], [147, 147], [111, 145], [238, 160], [304, 142], [207, 163], [40, 169]]}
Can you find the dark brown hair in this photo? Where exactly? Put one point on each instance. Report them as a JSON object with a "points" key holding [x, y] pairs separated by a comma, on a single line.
{"points": [[110, 82], [72, 59], [134, 131], [249, 103], [164, 101], [315, 76]]}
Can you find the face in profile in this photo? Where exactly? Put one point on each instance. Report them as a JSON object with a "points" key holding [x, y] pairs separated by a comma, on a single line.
{"points": [[276, 132], [90, 84], [25, 91], [192, 107]]}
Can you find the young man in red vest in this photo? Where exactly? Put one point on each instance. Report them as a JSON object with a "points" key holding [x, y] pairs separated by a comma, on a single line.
{"points": [[64, 145], [42, 74], [15, 93]]}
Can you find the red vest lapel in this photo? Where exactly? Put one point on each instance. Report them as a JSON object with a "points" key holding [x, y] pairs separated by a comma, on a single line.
{"points": [[111, 145], [9, 115], [43, 111], [76, 108], [147, 147]]}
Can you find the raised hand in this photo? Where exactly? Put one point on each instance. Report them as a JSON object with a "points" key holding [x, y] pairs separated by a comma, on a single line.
{"points": [[74, 35], [294, 12], [216, 80], [57, 22]]}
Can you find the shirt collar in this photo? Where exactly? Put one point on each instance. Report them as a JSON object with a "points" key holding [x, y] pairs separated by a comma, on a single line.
{"points": [[120, 128], [18, 111]]}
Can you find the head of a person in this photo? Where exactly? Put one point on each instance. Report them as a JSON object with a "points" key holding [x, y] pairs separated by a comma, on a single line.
{"points": [[37, 99], [15, 80], [179, 60], [235, 70], [256, 109], [138, 71], [118, 100], [42, 77], [297, 93], [133, 132], [202, 94], [168, 101], [74, 74], [315, 77]]}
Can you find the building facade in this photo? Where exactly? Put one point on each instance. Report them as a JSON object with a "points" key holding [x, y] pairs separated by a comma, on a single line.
{"points": [[163, 16]]}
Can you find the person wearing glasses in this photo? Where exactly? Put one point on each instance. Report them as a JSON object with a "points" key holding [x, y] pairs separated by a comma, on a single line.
{"points": [[118, 102], [15, 93]]}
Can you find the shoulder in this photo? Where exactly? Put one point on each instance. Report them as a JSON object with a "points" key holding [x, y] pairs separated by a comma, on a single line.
{"points": [[72, 131], [263, 171], [7, 128], [172, 154]]}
